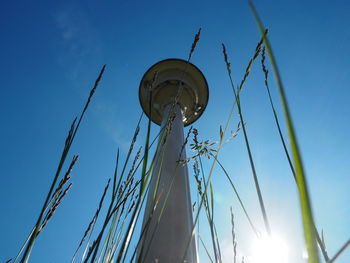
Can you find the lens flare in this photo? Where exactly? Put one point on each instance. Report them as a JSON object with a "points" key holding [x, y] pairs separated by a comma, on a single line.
{"points": [[270, 250]]}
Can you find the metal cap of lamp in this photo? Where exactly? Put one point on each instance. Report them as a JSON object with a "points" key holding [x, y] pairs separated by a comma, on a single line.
{"points": [[171, 75]]}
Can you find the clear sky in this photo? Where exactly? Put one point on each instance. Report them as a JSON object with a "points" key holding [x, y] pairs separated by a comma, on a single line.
{"points": [[52, 51]]}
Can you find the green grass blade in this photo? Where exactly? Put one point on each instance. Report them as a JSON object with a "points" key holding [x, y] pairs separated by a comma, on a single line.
{"points": [[318, 238], [305, 203]]}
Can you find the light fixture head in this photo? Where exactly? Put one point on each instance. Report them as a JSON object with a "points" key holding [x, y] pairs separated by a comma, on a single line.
{"points": [[175, 77]]}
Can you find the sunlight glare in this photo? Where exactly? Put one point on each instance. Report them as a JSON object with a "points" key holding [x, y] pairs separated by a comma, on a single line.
{"points": [[270, 250]]}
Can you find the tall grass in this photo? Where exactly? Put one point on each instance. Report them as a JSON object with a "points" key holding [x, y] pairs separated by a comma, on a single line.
{"points": [[305, 203], [240, 113], [67, 145], [320, 241], [130, 183]]}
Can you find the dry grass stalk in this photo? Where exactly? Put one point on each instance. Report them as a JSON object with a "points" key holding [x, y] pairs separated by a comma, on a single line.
{"points": [[169, 124], [256, 54], [194, 44], [117, 207], [180, 88], [93, 221], [198, 180], [65, 179], [202, 149], [57, 196], [266, 72], [132, 169], [234, 242], [237, 101], [185, 142], [69, 140], [53, 208], [116, 187]]}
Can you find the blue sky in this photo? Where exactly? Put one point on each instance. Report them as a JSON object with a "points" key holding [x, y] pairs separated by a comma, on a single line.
{"points": [[51, 53]]}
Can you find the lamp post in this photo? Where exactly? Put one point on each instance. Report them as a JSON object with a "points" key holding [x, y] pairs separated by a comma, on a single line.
{"points": [[179, 94]]}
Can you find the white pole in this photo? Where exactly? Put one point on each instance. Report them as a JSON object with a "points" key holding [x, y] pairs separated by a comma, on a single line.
{"points": [[165, 241]]}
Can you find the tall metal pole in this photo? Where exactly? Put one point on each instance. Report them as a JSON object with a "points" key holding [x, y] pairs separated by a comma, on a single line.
{"points": [[168, 221]]}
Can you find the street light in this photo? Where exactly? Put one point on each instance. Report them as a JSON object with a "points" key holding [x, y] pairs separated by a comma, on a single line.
{"points": [[180, 90]]}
